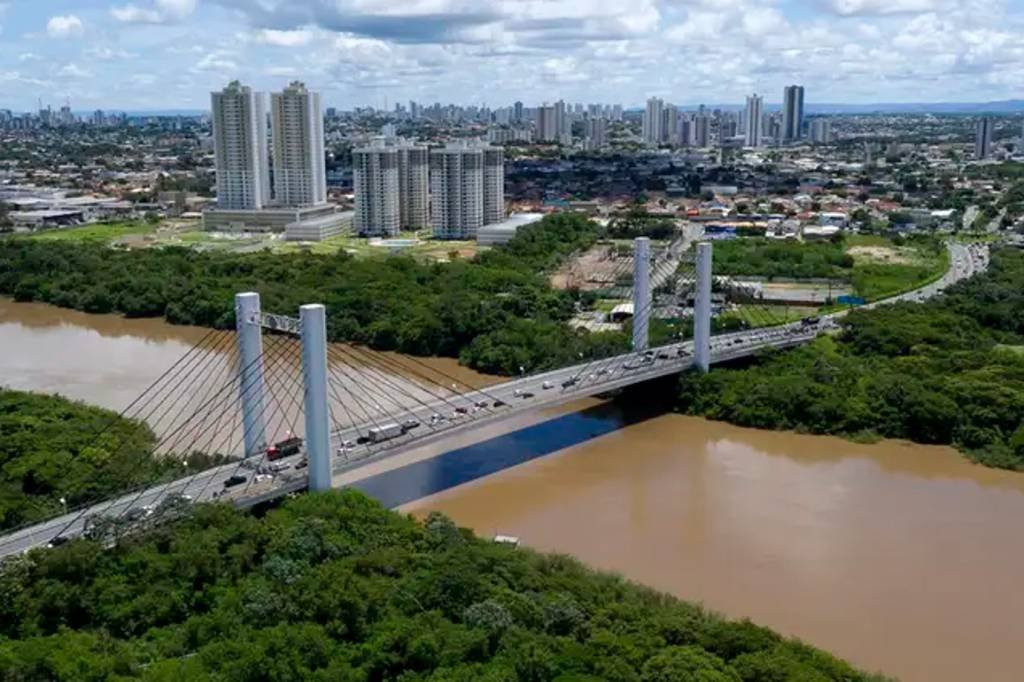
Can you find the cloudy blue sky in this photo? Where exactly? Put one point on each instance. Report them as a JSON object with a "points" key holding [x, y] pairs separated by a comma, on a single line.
{"points": [[168, 54]]}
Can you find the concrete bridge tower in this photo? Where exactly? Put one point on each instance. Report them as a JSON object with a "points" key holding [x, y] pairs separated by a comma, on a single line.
{"points": [[250, 371], [641, 292], [702, 309], [313, 319]]}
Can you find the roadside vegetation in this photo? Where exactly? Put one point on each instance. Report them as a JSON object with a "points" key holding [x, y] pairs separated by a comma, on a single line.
{"points": [[496, 311], [876, 267], [945, 372], [333, 587], [53, 448]]}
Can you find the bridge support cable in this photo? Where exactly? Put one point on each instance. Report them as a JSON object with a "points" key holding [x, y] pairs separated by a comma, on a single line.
{"points": [[127, 499], [392, 373], [201, 439], [452, 381], [141, 409], [353, 384], [395, 386], [271, 410], [702, 308], [392, 378], [207, 380], [314, 372], [248, 321]]}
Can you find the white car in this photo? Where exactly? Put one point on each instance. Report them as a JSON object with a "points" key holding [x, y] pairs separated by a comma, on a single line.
{"points": [[547, 385]]}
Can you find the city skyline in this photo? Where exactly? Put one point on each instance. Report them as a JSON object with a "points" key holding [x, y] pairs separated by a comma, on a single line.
{"points": [[169, 52]]}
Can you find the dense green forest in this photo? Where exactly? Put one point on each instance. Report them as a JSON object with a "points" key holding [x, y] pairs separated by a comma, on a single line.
{"points": [[948, 371], [496, 310], [774, 258], [333, 587], [51, 448]]}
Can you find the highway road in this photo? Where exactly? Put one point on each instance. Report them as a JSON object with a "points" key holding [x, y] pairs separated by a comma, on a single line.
{"points": [[440, 418]]}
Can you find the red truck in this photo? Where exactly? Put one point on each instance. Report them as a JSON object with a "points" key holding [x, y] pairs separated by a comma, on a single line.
{"points": [[285, 448]]}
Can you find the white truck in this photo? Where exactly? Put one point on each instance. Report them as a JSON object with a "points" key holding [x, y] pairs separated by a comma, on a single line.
{"points": [[379, 434]]}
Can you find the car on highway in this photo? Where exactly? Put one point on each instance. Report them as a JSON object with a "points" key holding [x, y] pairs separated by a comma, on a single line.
{"points": [[570, 382], [237, 479], [302, 463], [409, 424], [525, 395], [138, 513], [500, 403], [547, 385], [482, 404], [57, 541]]}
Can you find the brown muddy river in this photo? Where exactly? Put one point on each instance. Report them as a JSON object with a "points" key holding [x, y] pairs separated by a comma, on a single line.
{"points": [[901, 558]]}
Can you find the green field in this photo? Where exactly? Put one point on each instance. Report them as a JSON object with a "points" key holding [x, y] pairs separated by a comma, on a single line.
{"points": [[876, 266], [105, 232], [895, 269], [769, 315]]}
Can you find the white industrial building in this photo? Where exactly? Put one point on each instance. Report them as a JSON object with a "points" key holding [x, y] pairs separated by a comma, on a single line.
{"points": [[505, 231]]}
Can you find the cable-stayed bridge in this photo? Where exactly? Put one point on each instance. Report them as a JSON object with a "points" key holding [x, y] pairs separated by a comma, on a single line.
{"points": [[288, 412]]}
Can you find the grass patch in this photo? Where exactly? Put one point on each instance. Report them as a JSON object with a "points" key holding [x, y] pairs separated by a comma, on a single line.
{"points": [[97, 233], [769, 316]]}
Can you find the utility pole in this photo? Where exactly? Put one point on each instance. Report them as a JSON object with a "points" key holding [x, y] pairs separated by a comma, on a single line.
{"points": [[313, 319], [250, 371]]}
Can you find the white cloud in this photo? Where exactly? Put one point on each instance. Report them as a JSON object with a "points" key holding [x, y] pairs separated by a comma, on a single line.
{"points": [[849, 7], [218, 61], [107, 53], [293, 38], [64, 26], [72, 70], [160, 12]]}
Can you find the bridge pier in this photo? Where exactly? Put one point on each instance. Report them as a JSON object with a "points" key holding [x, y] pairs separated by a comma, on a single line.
{"points": [[313, 319], [641, 292], [250, 371], [702, 309]]}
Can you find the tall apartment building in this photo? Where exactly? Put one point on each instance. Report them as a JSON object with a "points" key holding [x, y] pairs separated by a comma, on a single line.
{"points": [[701, 131], [821, 131], [547, 124], [562, 125], [596, 133], [792, 113], [240, 148], [752, 121], [376, 188], [467, 187], [653, 122], [413, 186], [494, 184], [983, 138], [300, 176], [457, 191], [670, 131]]}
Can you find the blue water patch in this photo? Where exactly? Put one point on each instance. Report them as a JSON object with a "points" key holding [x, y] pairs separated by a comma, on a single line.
{"points": [[420, 479]]}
